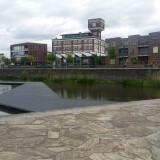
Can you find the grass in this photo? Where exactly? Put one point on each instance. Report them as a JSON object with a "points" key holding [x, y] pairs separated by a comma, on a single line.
{"points": [[152, 80]]}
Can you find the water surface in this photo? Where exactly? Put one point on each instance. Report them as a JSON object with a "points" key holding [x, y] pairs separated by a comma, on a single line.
{"points": [[105, 92]]}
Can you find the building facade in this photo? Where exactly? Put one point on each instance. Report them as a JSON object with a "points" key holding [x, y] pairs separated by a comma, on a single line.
{"points": [[82, 42], [136, 49], [39, 51]]}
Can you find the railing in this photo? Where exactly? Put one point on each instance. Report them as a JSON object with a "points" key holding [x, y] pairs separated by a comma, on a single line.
{"points": [[22, 50], [143, 45], [123, 54], [143, 54]]}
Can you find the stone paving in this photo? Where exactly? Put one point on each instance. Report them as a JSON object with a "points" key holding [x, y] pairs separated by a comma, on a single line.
{"points": [[125, 131]]}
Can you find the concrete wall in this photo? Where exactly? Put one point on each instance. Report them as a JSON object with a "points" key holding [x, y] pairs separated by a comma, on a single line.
{"points": [[97, 73]]}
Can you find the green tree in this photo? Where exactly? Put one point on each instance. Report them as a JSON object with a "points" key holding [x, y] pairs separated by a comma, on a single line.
{"points": [[51, 57], [69, 57], [23, 60], [5, 60], [30, 58], [13, 60], [98, 59], [112, 53]]}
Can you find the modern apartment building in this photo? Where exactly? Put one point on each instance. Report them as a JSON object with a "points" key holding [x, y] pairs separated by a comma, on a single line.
{"points": [[136, 49], [39, 51], [82, 42]]}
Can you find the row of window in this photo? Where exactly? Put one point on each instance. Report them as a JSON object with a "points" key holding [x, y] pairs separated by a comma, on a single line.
{"points": [[23, 48], [113, 44], [86, 41], [140, 50], [18, 48]]}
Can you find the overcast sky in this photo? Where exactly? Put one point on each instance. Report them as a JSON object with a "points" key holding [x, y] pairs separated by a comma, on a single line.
{"points": [[43, 20]]}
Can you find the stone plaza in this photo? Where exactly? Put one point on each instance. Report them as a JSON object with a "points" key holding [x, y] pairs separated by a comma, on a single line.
{"points": [[124, 131]]}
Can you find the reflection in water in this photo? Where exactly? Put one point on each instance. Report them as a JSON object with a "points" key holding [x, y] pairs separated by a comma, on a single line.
{"points": [[3, 113], [5, 88], [103, 92]]}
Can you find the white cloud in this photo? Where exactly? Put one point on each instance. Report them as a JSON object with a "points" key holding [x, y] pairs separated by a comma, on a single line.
{"points": [[43, 20]]}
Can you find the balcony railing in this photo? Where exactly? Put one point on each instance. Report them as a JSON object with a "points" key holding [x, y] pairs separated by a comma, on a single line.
{"points": [[22, 50], [143, 54], [143, 45], [123, 47], [123, 54]]}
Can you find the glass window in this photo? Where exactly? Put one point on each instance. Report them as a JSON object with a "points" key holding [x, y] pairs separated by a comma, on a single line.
{"points": [[85, 41], [93, 24], [113, 44], [107, 45], [55, 42], [90, 40]]}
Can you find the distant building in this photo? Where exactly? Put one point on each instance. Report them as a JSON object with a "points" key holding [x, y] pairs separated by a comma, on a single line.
{"points": [[96, 26], [82, 42], [1, 55], [39, 51], [136, 49]]}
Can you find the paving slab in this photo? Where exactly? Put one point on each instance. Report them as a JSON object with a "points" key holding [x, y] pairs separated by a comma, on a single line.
{"points": [[125, 131]]}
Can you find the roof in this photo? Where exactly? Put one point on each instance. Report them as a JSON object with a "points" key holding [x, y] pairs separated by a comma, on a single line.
{"points": [[58, 56], [78, 54], [86, 54], [25, 43]]}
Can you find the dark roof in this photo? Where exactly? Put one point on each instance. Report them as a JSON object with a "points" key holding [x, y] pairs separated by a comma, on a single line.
{"points": [[25, 43]]}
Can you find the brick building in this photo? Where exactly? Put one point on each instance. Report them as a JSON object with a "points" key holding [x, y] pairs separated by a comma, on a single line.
{"points": [[39, 51], [82, 42], [136, 49]]}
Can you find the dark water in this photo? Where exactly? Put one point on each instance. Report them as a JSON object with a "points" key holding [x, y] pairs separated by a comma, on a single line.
{"points": [[103, 92]]}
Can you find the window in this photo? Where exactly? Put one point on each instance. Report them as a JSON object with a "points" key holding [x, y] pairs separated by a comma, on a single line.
{"points": [[134, 42], [75, 47], [154, 38], [113, 44], [69, 42], [131, 51], [93, 24], [55, 42], [75, 41], [79, 41], [64, 42], [59, 42], [155, 49], [85, 41], [90, 40], [107, 45]]}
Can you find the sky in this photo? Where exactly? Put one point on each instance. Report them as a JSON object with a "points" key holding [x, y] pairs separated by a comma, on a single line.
{"points": [[40, 21]]}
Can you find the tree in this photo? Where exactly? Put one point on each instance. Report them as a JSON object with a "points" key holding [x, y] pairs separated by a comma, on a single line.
{"points": [[13, 60], [23, 60], [69, 57], [5, 60], [98, 59], [51, 57], [112, 53], [30, 58]]}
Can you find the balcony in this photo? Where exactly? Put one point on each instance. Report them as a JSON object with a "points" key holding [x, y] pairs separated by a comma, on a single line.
{"points": [[124, 54], [143, 44], [123, 47], [143, 54], [22, 50]]}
